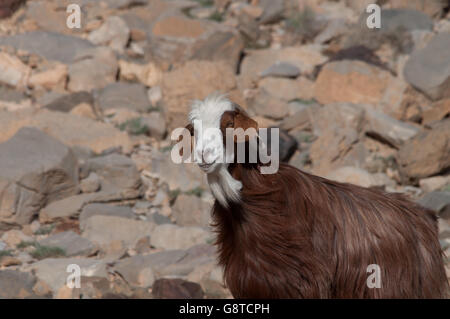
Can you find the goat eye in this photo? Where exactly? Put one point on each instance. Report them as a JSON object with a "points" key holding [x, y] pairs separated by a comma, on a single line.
{"points": [[230, 124]]}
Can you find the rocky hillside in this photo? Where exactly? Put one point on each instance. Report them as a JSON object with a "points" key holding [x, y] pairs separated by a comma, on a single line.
{"points": [[86, 116]]}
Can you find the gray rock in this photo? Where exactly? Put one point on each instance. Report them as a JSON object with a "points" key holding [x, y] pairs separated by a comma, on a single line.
{"points": [[387, 128], [177, 176], [156, 124], [54, 271], [113, 32], [93, 69], [287, 144], [90, 184], [115, 170], [3, 245], [34, 169], [191, 211], [52, 46], [394, 19], [438, 202], [72, 243], [132, 96], [169, 236], [282, 69], [301, 119], [272, 11], [105, 230], [67, 102], [16, 284], [104, 210], [428, 69]]}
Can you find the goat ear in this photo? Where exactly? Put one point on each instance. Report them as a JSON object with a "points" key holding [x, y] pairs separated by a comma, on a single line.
{"points": [[190, 128], [242, 120]]}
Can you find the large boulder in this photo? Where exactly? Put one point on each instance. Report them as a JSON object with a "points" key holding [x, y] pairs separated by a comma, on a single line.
{"points": [[426, 154], [35, 169], [428, 69]]}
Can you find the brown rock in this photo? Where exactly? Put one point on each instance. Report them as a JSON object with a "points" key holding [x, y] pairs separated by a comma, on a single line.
{"points": [[195, 80], [53, 78], [176, 289], [439, 111], [351, 81], [12, 71], [148, 74], [426, 154], [179, 27]]}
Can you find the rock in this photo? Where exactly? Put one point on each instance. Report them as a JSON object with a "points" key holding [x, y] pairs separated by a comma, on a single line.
{"points": [[220, 46], [52, 78], [148, 74], [14, 237], [176, 289], [428, 70], [305, 58], [427, 153], [70, 207], [351, 81], [195, 80], [96, 209], [8, 261], [178, 27], [283, 89], [34, 169], [352, 175], [438, 202], [93, 69], [269, 106], [388, 129], [156, 124], [177, 176], [16, 284], [68, 102], [429, 8], [103, 230], [132, 96], [338, 127], [272, 11], [174, 237], [439, 111], [12, 71], [301, 119], [434, 183], [92, 134], [51, 46], [191, 211], [115, 170], [135, 273], [154, 95], [113, 32], [70, 242], [282, 69], [91, 184], [54, 271]]}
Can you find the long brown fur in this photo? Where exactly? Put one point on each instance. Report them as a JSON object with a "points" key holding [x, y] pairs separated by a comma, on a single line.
{"points": [[296, 235]]}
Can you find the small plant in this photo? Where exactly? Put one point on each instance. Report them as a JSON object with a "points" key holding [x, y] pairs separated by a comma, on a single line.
{"points": [[42, 252], [303, 23], [304, 101], [446, 188], [44, 230], [4, 253], [153, 109], [198, 191], [166, 148], [25, 244], [134, 126], [205, 3], [216, 16], [173, 194]]}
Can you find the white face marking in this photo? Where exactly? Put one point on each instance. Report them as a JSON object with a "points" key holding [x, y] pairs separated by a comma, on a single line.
{"points": [[209, 150]]}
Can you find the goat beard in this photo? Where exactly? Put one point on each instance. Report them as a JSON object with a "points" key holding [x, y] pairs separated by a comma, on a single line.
{"points": [[224, 187]]}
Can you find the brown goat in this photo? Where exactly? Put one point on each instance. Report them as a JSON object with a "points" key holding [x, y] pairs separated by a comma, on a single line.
{"points": [[296, 235]]}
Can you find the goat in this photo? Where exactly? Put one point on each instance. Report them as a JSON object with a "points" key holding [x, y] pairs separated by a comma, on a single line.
{"points": [[295, 235]]}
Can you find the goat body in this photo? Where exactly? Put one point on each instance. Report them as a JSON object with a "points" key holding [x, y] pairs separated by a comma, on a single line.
{"points": [[295, 235]]}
